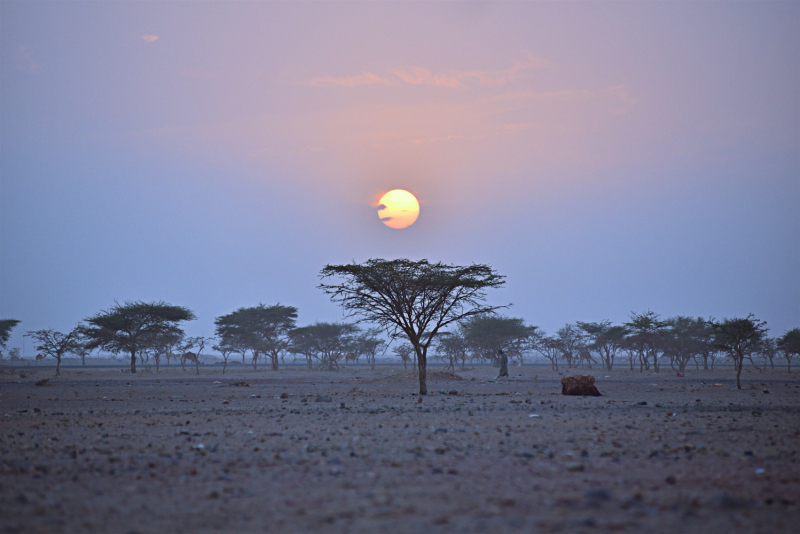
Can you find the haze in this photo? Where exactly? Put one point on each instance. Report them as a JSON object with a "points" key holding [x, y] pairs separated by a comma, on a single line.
{"points": [[605, 157]]}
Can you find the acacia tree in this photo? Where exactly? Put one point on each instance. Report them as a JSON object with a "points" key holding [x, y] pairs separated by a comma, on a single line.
{"points": [[452, 348], [403, 351], [550, 348], [325, 341], [6, 326], [198, 343], [646, 338], [56, 344], [131, 326], [606, 340], [261, 329], [369, 345], [684, 340], [415, 298], [789, 343], [570, 341], [487, 335], [226, 351], [739, 338]]}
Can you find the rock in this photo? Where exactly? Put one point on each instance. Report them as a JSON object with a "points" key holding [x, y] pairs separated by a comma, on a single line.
{"points": [[41, 382], [323, 398], [284, 395], [582, 385]]}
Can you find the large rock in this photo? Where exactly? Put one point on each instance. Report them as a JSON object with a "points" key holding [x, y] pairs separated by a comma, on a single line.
{"points": [[582, 385]]}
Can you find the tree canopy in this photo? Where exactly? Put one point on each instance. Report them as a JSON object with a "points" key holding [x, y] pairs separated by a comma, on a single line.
{"points": [[6, 326], [261, 329], [130, 327], [411, 298]]}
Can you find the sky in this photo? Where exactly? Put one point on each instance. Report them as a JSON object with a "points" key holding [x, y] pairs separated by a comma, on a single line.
{"points": [[606, 157]]}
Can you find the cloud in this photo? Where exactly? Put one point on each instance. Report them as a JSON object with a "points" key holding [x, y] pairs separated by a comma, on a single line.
{"points": [[25, 60], [385, 219], [420, 76], [462, 78], [149, 38], [365, 78], [381, 207]]}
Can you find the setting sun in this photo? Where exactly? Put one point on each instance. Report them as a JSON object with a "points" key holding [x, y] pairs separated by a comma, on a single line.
{"points": [[398, 209]]}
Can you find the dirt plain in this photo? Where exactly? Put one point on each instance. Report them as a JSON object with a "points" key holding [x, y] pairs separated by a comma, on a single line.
{"points": [[102, 450]]}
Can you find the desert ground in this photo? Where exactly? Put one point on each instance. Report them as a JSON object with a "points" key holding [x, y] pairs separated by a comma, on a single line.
{"points": [[355, 450]]}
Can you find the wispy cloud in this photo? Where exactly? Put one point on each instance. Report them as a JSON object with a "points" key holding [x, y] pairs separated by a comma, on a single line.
{"points": [[420, 76], [150, 37], [456, 79], [365, 78], [25, 60]]}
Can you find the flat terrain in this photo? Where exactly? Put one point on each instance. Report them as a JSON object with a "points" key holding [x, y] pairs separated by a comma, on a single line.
{"points": [[101, 450]]}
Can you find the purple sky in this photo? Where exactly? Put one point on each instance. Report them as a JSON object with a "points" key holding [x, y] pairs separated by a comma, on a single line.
{"points": [[607, 157]]}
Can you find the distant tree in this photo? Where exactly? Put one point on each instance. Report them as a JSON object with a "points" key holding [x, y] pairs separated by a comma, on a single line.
{"points": [[646, 337], [82, 351], [486, 335], [605, 339], [768, 349], [789, 343], [404, 352], [368, 344], [570, 342], [739, 338], [191, 349], [326, 342], [415, 298], [6, 326], [225, 350], [56, 344], [684, 339], [13, 354], [263, 330], [161, 345], [550, 348], [451, 347], [129, 327]]}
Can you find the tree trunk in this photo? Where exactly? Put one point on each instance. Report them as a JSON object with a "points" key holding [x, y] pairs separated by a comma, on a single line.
{"points": [[224, 365], [423, 368], [739, 364], [133, 361], [58, 364], [197, 364], [274, 358]]}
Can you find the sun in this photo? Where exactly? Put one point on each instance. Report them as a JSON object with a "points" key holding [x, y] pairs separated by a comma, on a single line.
{"points": [[398, 209]]}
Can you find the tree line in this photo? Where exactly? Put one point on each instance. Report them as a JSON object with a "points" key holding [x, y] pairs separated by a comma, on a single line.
{"points": [[428, 306], [645, 341]]}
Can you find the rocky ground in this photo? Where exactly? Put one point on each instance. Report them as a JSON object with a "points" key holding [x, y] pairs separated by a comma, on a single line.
{"points": [[100, 450]]}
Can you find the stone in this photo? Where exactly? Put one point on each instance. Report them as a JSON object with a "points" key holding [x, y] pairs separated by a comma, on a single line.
{"points": [[582, 385], [323, 398]]}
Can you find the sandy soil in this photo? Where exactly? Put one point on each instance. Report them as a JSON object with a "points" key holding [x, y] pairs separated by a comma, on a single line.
{"points": [[100, 450]]}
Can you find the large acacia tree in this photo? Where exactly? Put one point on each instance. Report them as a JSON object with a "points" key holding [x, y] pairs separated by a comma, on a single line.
{"points": [[414, 299], [132, 326], [739, 337], [261, 329]]}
